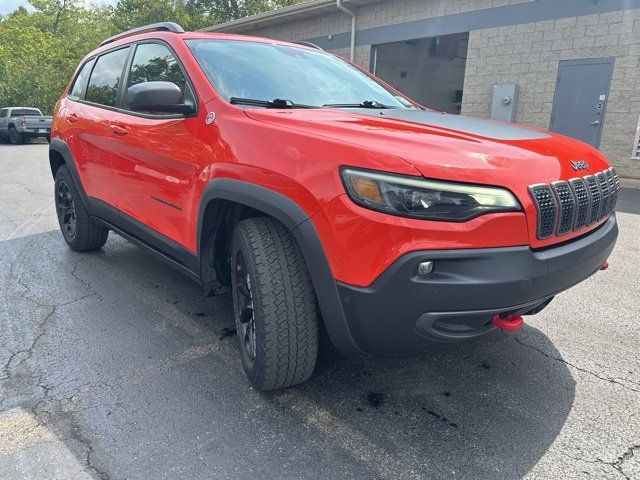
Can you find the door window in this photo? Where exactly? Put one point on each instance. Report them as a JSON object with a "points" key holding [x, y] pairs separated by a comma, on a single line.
{"points": [[105, 78], [81, 80], [154, 62]]}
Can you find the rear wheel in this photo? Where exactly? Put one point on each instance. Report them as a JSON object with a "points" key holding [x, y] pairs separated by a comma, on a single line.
{"points": [[274, 304], [79, 230], [15, 137]]}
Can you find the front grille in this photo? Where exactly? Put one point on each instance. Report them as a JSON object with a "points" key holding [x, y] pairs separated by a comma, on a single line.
{"points": [[563, 207]]}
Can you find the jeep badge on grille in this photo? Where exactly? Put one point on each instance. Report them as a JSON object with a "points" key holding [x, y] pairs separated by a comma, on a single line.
{"points": [[579, 165]]}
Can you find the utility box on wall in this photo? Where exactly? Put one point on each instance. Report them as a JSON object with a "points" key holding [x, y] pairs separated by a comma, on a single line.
{"points": [[503, 102]]}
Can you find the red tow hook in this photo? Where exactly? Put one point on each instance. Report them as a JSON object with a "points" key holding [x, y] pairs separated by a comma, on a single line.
{"points": [[511, 323], [604, 266]]}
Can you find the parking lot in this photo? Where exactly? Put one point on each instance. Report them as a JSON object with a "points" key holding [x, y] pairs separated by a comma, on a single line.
{"points": [[113, 366]]}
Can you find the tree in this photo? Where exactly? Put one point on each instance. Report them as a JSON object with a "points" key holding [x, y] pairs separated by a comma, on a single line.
{"points": [[219, 11]]}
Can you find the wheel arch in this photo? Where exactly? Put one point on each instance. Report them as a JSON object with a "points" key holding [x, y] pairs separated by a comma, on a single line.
{"points": [[237, 199], [60, 154]]}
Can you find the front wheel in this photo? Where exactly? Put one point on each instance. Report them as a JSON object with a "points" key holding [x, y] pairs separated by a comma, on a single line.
{"points": [[274, 304]]}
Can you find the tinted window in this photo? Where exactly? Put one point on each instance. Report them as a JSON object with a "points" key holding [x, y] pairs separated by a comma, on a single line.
{"points": [[264, 71], [3, 113], [25, 112], [81, 80], [105, 78], [154, 62]]}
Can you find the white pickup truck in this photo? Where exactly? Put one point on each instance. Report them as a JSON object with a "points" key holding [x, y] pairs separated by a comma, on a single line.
{"points": [[23, 123]]}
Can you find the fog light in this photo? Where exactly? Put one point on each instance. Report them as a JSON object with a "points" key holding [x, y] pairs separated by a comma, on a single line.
{"points": [[425, 268]]}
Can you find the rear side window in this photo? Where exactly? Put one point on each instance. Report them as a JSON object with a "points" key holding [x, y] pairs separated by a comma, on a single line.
{"points": [[3, 112], [105, 78], [154, 62], [81, 80]]}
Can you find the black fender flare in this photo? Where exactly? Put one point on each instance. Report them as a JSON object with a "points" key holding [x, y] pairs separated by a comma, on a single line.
{"points": [[61, 147], [292, 216]]}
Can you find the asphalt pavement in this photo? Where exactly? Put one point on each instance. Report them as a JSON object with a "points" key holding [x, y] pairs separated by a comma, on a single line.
{"points": [[113, 366]]}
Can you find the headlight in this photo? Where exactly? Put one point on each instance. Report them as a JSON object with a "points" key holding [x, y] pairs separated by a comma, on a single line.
{"points": [[425, 199]]}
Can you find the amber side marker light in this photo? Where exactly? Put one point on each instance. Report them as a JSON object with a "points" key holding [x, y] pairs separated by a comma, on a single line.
{"points": [[366, 188]]}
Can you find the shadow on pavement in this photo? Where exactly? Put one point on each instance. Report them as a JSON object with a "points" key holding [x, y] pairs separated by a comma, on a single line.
{"points": [[127, 367]]}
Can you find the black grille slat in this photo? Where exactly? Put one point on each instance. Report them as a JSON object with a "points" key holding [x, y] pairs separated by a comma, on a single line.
{"points": [[567, 206], [547, 209], [612, 179], [596, 199], [604, 188], [582, 202]]}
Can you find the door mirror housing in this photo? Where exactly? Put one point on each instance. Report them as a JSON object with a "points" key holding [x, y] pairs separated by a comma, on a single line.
{"points": [[157, 97]]}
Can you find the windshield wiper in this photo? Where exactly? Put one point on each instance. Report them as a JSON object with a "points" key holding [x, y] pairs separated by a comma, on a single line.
{"points": [[365, 104], [275, 103]]}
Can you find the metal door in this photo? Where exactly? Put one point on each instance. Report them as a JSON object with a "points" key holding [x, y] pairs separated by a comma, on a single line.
{"points": [[582, 92]]}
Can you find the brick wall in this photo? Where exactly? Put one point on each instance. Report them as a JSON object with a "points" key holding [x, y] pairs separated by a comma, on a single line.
{"points": [[529, 55]]}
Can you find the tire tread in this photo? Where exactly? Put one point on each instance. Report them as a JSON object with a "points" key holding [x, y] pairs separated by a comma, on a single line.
{"points": [[286, 301]]}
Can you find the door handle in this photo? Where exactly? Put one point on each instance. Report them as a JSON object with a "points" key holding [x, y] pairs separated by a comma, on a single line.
{"points": [[595, 123], [118, 130], [72, 118]]}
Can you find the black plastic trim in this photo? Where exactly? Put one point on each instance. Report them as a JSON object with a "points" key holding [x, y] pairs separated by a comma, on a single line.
{"points": [[140, 234], [153, 27], [298, 222], [403, 312], [61, 147]]}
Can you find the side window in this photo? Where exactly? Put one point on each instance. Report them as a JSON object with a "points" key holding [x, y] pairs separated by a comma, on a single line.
{"points": [[3, 112], [81, 80], [154, 62], [105, 78]]}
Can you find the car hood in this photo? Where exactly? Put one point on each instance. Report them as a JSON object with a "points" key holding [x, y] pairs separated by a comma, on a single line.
{"points": [[448, 147]]}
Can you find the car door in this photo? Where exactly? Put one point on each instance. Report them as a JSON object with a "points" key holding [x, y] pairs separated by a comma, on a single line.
{"points": [[87, 118], [152, 154]]}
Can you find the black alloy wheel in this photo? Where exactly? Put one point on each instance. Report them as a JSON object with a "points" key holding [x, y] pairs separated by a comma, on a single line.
{"points": [[66, 209], [245, 319]]}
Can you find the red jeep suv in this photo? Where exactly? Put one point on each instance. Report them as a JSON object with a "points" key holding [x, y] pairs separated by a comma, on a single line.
{"points": [[320, 196]]}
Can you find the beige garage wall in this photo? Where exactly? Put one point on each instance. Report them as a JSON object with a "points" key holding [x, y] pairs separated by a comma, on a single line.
{"points": [[529, 55]]}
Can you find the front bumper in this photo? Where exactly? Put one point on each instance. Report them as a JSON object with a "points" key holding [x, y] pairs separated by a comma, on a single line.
{"points": [[402, 312]]}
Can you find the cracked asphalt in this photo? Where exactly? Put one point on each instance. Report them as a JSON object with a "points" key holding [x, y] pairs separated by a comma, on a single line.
{"points": [[113, 366]]}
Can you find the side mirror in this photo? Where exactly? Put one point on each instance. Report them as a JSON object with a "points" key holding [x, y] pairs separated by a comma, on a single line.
{"points": [[157, 97]]}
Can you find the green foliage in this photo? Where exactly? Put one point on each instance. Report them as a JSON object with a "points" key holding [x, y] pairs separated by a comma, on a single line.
{"points": [[40, 50]]}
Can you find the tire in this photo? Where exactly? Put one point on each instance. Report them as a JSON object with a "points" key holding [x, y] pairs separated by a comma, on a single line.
{"points": [[15, 137], [281, 309], [79, 230]]}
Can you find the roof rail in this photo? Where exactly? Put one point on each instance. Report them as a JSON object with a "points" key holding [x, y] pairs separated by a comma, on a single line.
{"points": [[309, 44], [154, 27]]}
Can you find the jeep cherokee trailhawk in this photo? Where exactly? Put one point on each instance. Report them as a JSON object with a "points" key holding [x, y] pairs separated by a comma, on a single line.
{"points": [[321, 197]]}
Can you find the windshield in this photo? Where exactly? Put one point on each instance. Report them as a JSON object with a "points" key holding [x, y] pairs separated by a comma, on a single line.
{"points": [[264, 71], [25, 112]]}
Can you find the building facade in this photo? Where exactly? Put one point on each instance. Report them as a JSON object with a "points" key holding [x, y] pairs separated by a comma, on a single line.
{"points": [[572, 66]]}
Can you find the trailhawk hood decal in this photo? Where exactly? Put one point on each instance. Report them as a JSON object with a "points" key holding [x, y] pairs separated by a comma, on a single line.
{"points": [[473, 126]]}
